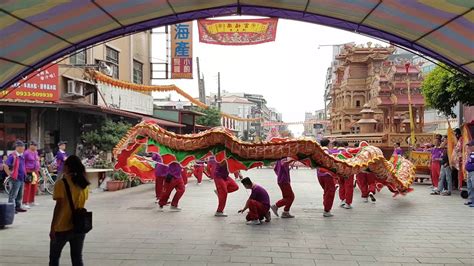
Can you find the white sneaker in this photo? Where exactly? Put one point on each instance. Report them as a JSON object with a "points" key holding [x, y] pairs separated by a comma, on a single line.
{"points": [[35, 204], [347, 206], [254, 222], [274, 209], [328, 214], [220, 214], [175, 209], [287, 215], [198, 184], [365, 200], [372, 197], [26, 206], [343, 202]]}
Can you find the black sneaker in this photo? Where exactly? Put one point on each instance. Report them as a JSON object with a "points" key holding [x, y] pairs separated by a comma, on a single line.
{"points": [[372, 197], [20, 210]]}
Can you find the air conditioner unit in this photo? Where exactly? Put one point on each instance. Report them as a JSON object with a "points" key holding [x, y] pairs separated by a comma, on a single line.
{"points": [[75, 88]]}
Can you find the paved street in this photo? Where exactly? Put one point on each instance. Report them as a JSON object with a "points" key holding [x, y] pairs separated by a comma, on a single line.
{"points": [[416, 229]]}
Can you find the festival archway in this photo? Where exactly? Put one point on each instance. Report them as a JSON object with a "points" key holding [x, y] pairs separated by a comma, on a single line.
{"points": [[35, 33]]}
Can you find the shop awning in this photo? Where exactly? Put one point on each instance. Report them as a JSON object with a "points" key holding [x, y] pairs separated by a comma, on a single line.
{"points": [[88, 107]]}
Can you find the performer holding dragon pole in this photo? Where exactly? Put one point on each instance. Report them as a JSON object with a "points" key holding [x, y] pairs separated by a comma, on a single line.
{"points": [[282, 170], [224, 186]]}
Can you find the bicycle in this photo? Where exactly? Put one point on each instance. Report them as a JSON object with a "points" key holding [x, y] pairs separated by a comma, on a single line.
{"points": [[44, 184]]}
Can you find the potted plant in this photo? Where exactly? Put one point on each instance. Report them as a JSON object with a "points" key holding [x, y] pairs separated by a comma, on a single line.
{"points": [[117, 181], [123, 177]]}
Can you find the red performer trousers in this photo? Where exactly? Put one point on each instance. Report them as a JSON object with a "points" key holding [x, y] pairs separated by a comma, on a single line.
{"points": [[346, 189], [257, 210], [175, 183], [435, 171], [185, 176], [198, 172], [288, 196], [224, 187], [366, 183], [329, 188], [159, 186], [29, 192]]}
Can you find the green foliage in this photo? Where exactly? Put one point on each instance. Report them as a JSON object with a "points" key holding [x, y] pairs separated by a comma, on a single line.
{"points": [[443, 88], [212, 117], [107, 136], [120, 176]]}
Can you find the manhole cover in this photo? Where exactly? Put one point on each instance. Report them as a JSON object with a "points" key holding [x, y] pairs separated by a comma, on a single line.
{"points": [[140, 208]]}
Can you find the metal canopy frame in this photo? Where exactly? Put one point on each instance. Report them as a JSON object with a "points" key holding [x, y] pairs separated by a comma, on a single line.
{"points": [[238, 8]]}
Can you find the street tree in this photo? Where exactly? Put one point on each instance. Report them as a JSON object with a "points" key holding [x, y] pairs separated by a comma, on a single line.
{"points": [[211, 117], [444, 87], [107, 136]]}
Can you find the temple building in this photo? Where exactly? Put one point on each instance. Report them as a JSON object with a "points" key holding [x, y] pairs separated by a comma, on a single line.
{"points": [[370, 96]]}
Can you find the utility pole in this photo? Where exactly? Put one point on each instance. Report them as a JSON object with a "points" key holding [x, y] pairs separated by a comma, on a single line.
{"points": [[219, 100], [202, 92]]}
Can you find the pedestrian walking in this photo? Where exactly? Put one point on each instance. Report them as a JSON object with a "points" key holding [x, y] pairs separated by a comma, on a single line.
{"points": [[62, 223], [32, 164], [282, 170], [224, 185], [173, 181], [61, 157], [16, 169], [258, 203]]}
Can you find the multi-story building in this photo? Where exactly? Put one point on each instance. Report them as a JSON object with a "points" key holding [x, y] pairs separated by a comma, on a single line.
{"points": [[370, 94], [315, 124], [74, 102]]}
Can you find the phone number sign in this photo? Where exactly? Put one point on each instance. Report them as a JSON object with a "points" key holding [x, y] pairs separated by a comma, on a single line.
{"points": [[41, 85]]}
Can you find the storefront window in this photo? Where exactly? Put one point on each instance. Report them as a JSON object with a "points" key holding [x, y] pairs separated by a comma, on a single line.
{"points": [[13, 126]]}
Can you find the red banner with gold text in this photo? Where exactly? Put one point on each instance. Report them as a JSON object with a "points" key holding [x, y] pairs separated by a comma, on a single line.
{"points": [[237, 32], [41, 85]]}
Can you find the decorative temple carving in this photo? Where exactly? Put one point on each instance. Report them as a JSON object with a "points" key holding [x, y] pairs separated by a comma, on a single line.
{"points": [[367, 80]]}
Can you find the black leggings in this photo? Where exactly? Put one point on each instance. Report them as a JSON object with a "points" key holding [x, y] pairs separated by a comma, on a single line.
{"points": [[76, 242]]}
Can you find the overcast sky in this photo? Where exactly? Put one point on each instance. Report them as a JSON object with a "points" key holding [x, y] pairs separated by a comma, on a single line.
{"points": [[290, 72]]}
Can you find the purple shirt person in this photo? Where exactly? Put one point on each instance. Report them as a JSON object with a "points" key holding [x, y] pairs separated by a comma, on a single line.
{"points": [[436, 154], [282, 170], [18, 169], [32, 162], [61, 156], [261, 195], [221, 171], [397, 150]]}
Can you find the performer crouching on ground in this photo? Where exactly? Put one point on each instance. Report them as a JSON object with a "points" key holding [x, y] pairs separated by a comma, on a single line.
{"points": [[173, 181], [224, 185], [282, 170], [258, 203], [326, 180]]}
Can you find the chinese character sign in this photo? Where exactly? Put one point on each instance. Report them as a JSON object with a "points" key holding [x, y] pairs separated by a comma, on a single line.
{"points": [[41, 85], [237, 32], [182, 51]]}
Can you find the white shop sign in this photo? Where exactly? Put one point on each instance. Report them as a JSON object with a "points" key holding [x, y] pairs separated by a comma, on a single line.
{"points": [[123, 99]]}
